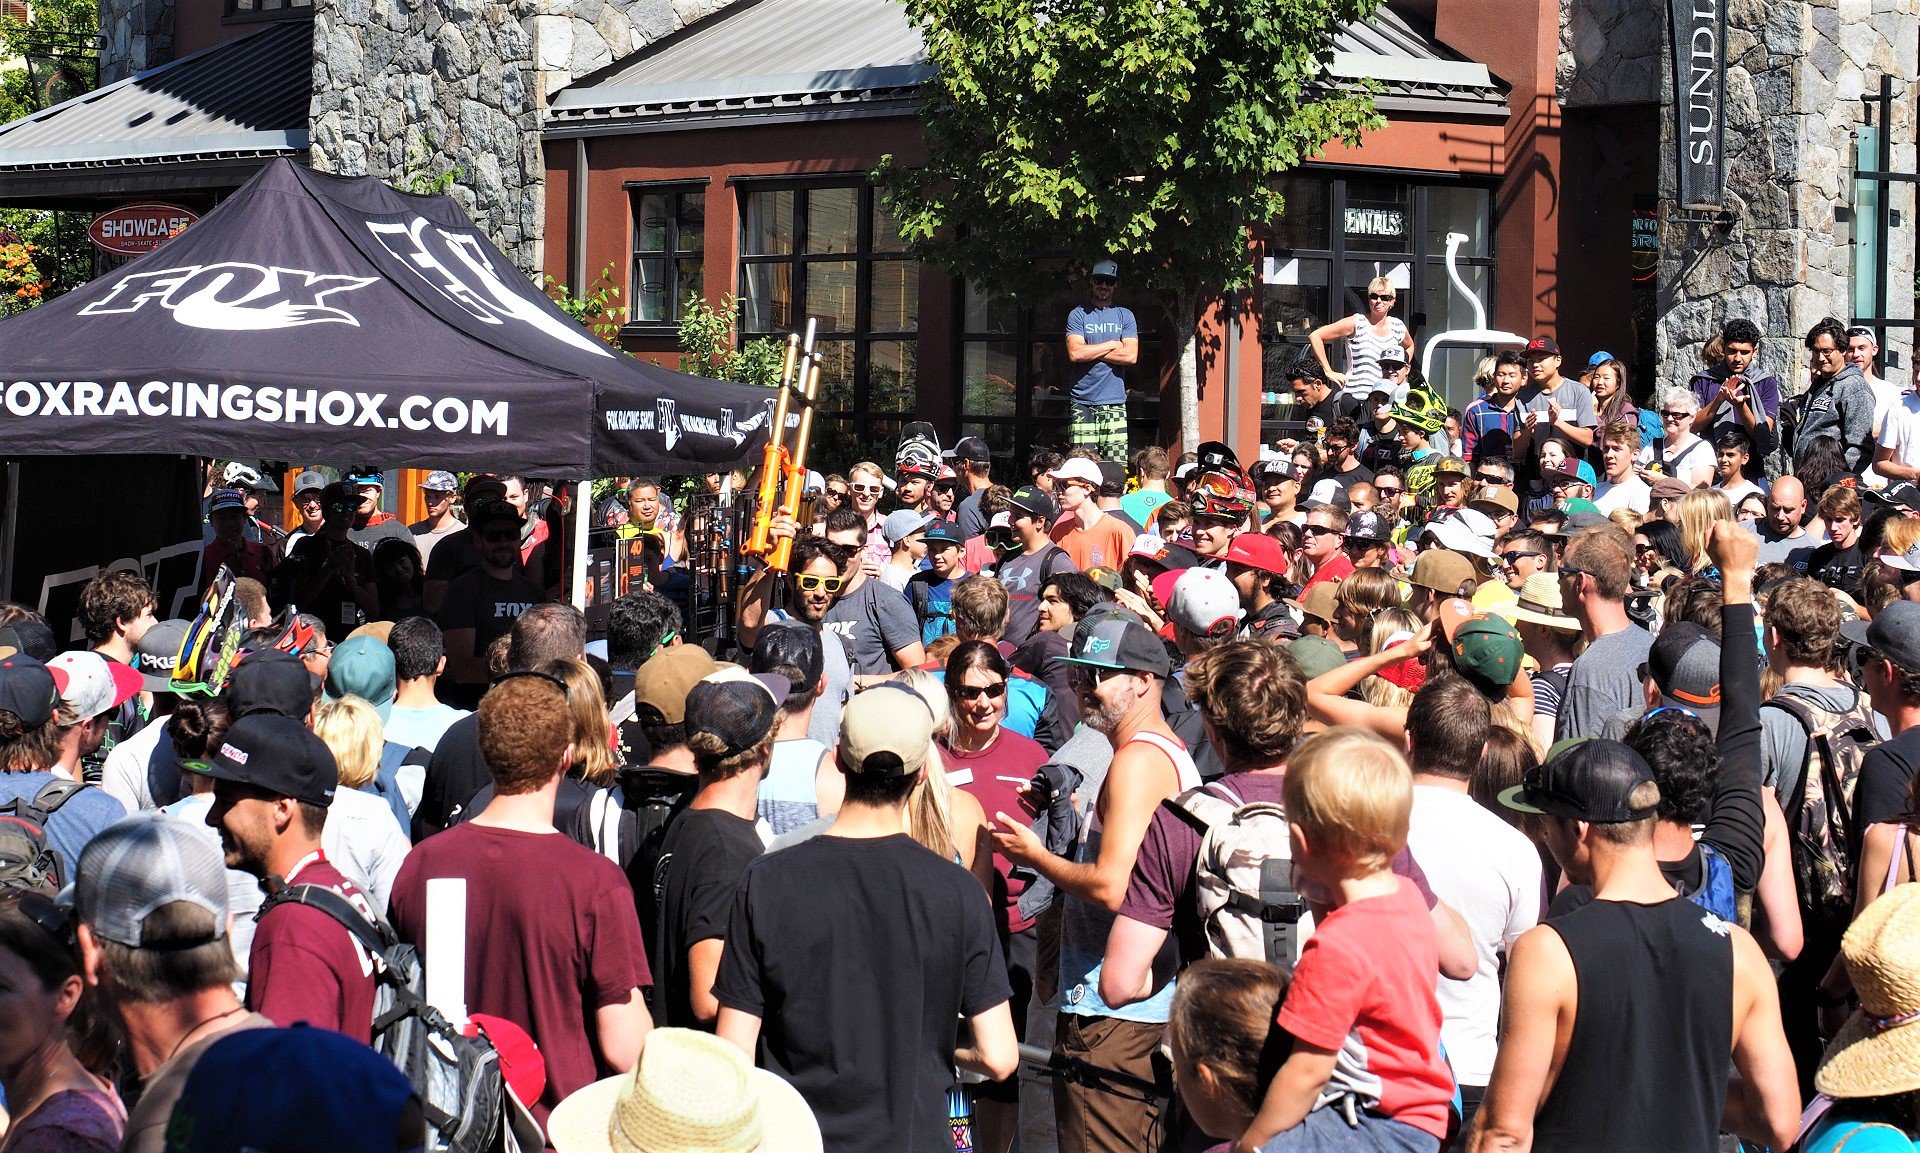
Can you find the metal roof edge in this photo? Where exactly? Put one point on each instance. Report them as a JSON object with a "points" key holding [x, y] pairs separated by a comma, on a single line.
{"points": [[745, 88], [619, 123], [1406, 70], [91, 152]]}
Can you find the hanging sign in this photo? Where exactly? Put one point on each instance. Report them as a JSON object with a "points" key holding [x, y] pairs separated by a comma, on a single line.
{"points": [[137, 229], [1700, 99]]}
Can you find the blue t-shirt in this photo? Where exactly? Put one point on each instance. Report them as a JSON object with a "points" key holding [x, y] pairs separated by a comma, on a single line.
{"points": [[1099, 382], [77, 822], [932, 600]]}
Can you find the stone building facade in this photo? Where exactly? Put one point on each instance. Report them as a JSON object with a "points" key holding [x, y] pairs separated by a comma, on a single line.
{"points": [[1786, 254], [419, 91]]}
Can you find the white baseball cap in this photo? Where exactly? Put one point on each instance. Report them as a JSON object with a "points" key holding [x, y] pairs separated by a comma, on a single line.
{"points": [[1203, 599], [94, 683], [1078, 468]]}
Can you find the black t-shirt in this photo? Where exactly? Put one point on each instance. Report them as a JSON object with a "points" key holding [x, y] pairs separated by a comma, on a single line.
{"points": [[1838, 567], [456, 772], [1333, 408], [1886, 776], [1359, 473], [488, 605], [860, 957], [701, 861], [457, 554], [334, 603]]}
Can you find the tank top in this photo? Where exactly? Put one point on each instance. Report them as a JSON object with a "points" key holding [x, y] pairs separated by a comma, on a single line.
{"points": [[1651, 1049], [1363, 353], [1084, 926], [788, 798]]}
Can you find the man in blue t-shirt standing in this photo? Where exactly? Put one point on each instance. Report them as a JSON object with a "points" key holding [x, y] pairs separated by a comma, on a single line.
{"points": [[1103, 341]]}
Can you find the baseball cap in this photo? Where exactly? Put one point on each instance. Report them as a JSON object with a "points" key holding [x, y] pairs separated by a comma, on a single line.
{"points": [[279, 755], [1451, 466], [1902, 493], [337, 499], [1599, 358], [1257, 550], [1105, 268], [1482, 644], [270, 682], [1186, 470], [225, 499], [974, 449], [1112, 639], [1000, 520], [1669, 488], [482, 486], [1591, 781], [668, 676], [1368, 526], [1495, 501], [30, 635], [1394, 355], [1318, 601], [288, 1089], [1684, 664], [1203, 600], [157, 652], [1542, 346], [94, 684], [792, 645], [1582, 515], [1315, 656], [1078, 468], [1576, 470], [881, 734], [440, 482], [1895, 634], [1113, 474], [1463, 531], [903, 523], [141, 863], [944, 532], [366, 480], [29, 689], [1031, 500], [735, 707], [312, 480], [1441, 570], [362, 667], [490, 509]]}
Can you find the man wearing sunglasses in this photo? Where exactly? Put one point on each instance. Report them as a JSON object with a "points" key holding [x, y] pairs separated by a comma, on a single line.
{"points": [[1103, 342], [481, 606], [1089, 534], [328, 572], [1593, 586]]}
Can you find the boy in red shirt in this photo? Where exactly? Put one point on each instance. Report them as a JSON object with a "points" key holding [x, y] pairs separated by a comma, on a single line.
{"points": [[1365, 1070]]}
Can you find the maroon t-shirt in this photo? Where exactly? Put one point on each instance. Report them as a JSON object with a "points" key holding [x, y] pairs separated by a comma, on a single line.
{"points": [[305, 967], [551, 938], [1159, 891], [998, 771]]}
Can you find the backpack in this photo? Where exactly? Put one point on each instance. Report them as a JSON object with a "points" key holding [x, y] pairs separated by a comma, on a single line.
{"points": [[626, 823], [1716, 893], [1243, 876], [468, 1107], [27, 861], [1819, 815]]}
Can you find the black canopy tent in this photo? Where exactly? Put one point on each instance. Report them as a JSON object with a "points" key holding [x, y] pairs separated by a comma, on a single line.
{"points": [[314, 317]]}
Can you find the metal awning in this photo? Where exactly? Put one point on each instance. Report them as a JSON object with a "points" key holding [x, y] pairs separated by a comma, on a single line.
{"points": [[783, 60], [204, 121]]}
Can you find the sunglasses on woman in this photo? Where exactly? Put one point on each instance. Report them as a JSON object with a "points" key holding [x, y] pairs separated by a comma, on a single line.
{"points": [[995, 691], [1386, 296], [815, 583]]}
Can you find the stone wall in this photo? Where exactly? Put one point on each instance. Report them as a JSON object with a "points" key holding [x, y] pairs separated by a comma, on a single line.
{"points": [[408, 90], [134, 35], [1610, 52], [575, 37]]}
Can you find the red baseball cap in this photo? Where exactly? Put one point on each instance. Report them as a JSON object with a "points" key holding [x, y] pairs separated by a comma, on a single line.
{"points": [[1258, 550]]}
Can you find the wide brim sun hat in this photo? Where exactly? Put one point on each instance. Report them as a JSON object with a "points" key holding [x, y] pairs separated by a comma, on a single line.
{"points": [[1877, 1052]]}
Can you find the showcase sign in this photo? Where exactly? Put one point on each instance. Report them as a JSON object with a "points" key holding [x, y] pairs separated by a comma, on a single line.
{"points": [[1700, 99], [137, 229]]}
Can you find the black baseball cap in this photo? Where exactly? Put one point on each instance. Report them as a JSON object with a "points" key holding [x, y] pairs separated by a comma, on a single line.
{"points": [[735, 707], [30, 635], [1542, 346], [789, 645], [943, 532], [1590, 780], [28, 689], [1115, 639], [1032, 501], [972, 448], [492, 509], [1113, 474], [270, 682], [278, 755]]}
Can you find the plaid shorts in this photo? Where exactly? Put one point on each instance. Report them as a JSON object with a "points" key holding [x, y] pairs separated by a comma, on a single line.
{"points": [[1102, 428]]}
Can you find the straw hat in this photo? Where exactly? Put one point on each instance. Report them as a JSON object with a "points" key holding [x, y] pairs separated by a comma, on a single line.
{"points": [[1878, 1050], [1540, 603], [690, 1093]]}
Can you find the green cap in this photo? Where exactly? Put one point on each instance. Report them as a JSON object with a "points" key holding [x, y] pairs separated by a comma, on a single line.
{"points": [[1488, 647], [1315, 656]]}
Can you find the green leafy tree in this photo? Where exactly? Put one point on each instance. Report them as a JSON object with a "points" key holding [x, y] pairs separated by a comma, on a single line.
{"points": [[597, 307], [1145, 130], [54, 57], [707, 345]]}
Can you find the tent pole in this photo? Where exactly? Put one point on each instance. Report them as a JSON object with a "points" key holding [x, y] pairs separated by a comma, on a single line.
{"points": [[582, 515], [9, 527]]}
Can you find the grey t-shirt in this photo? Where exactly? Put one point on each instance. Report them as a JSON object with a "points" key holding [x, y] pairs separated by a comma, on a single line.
{"points": [[1023, 576], [1793, 550], [1572, 397], [1604, 681], [873, 622]]}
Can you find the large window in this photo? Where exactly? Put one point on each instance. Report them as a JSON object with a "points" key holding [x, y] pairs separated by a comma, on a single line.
{"points": [[669, 232], [832, 253], [1338, 233], [1014, 374]]}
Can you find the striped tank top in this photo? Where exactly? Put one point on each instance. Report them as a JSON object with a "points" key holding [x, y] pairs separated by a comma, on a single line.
{"points": [[1363, 353]]}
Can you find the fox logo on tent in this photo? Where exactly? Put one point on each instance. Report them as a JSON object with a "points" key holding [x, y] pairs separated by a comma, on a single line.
{"points": [[233, 296], [667, 420]]}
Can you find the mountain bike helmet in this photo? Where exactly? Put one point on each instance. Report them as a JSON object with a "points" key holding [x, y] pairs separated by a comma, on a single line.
{"points": [[1422, 410], [1222, 493]]}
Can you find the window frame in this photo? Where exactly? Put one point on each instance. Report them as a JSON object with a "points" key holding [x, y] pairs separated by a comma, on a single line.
{"points": [[232, 13], [673, 254]]}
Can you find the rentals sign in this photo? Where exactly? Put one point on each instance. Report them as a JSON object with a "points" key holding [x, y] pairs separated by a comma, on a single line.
{"points": [[1700, 98]]}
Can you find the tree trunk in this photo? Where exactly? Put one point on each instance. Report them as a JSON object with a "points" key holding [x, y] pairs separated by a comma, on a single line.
{"points": [[1187, 317]]}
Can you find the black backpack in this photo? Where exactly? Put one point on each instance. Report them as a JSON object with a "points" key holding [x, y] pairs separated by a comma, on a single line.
{"points": [[468, 1107], [26, 859]]}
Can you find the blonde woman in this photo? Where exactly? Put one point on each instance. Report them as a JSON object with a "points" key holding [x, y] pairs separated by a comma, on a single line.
{"points": [[593, 759], [1368, 334], [1696, 513], [1390, 627], [365, 837], [939, 816]]}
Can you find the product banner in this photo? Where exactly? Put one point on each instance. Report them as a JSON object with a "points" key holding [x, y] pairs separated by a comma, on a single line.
{"points": [[313, 317], [1700, 98]]}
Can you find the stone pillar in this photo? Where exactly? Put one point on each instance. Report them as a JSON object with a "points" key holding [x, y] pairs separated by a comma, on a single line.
{"points": [[573, 38], [409, 90], [1796, 70], [134, 35]]}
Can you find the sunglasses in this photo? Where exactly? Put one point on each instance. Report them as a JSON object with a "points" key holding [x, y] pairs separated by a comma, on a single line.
{"points": [[1106, 280], [838, 493], [1094, 676], [500, 535], [1675, 415], [815, 583], [1388, 490], [42, 910], [1517, 557], [1321, 530], [1490, 478], [1680, 710], [974, 692], [1378, 296], [869, 489]]}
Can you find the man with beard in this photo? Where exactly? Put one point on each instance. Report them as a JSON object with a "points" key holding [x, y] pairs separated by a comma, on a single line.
{"points": [[815, 565], [482, 605], [1118, 668]]}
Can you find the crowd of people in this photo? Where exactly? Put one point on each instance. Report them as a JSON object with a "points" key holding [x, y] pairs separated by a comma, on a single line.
{"points": [[1537, 775]]}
